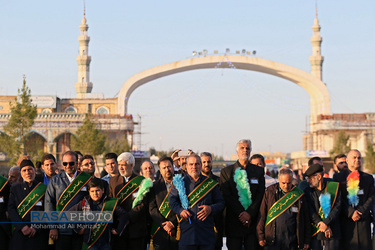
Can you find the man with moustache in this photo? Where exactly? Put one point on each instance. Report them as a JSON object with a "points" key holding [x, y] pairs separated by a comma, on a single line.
{"points": [[64, 191], [163, 230], [111, 166], [49, 168], [356, 216], [205, 200], [124, 187], [206, 158], [14, 175], [284, 222], [25, 197], [324, 199], [242, 214]]}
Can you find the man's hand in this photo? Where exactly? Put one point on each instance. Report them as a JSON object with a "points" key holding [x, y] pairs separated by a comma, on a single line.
{"points": [[322, 226], [204, 213], [328, 233], [262, 243], [54, 234], [245, 218], [81, 232], [113, 231], [306, 246], [26, 230], [32, 232], [168, 227], [356, 215], [185, 214]]}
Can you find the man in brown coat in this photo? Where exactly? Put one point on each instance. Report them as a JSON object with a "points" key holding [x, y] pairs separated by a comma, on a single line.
{"points": [[284, 217]]}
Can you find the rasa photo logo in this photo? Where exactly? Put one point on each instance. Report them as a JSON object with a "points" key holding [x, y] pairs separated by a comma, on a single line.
{"points": [[71, 217]]}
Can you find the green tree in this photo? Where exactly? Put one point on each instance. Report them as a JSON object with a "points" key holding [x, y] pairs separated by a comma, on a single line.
{"points": [[342, 145], [89, 139], [118, 146], [370, 157], [23, 114]]}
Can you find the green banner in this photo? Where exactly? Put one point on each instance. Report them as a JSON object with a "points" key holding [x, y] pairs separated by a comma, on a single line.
{"points": [[283, 204], [199, 192], [72, 190], [129, 188], [99, 228], [31, 199], [332, 188], [3, 182], [164, 210]]}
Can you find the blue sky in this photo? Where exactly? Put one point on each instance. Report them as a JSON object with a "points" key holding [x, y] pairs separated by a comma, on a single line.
{"points": [[205, 110]]}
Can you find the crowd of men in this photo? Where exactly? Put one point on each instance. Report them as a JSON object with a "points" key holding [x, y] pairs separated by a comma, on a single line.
{"points": [[185, 206]]}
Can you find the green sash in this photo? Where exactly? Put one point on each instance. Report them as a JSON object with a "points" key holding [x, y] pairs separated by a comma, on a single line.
{"points": [[72, 190], [164, 210], [283, 204], [99, 228], [3, 182], [332, 188], [31, 199], [200, 191], [129, 188]]}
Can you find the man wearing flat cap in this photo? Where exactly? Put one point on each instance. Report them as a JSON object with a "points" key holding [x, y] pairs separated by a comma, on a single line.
{"points": [[25, 197], [324, 199]]}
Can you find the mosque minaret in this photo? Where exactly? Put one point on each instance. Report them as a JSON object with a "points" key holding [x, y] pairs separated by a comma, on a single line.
{"points": [[316, 59], [83, 86]]}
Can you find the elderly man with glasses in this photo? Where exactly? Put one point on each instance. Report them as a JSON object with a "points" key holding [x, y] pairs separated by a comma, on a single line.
{"points": [[64, 191]]}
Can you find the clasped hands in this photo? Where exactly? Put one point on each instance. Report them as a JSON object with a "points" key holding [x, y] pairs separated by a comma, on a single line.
{"points": [[204, 212], [26, 230], [325, 229], [245, 219]]}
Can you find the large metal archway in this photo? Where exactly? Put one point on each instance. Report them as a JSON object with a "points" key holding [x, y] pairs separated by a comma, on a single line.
{"points": [[319, 95]]}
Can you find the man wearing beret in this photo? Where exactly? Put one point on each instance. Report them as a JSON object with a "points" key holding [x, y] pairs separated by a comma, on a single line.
{"points": [[324, 199], [25, 197]]}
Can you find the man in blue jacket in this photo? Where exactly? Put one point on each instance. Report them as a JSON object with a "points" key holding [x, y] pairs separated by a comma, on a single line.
{"points": [[205, 200]]}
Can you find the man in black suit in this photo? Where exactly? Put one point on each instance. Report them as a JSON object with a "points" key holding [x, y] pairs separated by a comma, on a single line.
{"points": [[134, 235], [241, 221], [356, 218], [5, 229], [25, 236], [164, 229]]}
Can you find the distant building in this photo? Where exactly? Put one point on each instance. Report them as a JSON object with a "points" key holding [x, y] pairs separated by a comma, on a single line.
{"points": [[59, 118]]}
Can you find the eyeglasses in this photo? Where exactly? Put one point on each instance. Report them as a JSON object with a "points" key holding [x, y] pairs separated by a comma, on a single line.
{"points": [[89, 163], [71, 163]]}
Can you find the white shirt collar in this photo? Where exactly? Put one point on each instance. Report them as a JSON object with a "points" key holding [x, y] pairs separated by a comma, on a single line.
{"points": [[71, 178]]}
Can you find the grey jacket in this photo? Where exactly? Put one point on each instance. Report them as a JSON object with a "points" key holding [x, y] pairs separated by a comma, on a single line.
{"points": [[55, 188]]}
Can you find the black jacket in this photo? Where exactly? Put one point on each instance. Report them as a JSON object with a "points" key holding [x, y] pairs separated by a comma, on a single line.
{"points": [[303, 221], [255, 174], [333, 219]]}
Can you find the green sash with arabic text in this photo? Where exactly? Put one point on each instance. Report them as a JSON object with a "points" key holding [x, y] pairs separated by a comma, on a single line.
{"points": [[332, 188], [283, 204], [72, 190], [129, 188], [164, 210], [200, 191], [31, 199], [99, 228]]}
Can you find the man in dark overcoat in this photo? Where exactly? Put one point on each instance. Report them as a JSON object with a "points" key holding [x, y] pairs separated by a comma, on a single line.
{"points": [[240, 222], [356, 219]]}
